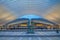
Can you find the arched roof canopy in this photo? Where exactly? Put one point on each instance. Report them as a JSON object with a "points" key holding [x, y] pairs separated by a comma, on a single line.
{"points": [[31, 17]]}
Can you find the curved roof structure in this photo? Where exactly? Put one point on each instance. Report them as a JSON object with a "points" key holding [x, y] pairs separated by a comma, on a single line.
{"points": [[31, 17]]}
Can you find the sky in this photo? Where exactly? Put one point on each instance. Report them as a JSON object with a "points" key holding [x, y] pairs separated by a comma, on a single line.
{"points": [[18, 8]]}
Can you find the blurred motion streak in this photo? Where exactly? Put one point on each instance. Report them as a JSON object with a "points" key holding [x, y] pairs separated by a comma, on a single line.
{"points": [[5, 15], [54, 15]]}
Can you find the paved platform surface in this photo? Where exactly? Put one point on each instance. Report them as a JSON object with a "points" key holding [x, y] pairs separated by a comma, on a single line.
{"points": [[16, 36]]}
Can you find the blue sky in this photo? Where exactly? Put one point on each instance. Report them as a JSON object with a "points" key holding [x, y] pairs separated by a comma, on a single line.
{"points": [[24, 7]]}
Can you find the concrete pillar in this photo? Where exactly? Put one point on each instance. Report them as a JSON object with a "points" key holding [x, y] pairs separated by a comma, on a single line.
{"points": [[30, 27]]}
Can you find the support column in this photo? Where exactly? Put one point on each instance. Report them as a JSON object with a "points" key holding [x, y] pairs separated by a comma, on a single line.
{"points": [[30, 27]]}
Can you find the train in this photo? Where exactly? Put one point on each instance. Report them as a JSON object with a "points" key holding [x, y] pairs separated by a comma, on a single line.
{"points": [[35, 24]]}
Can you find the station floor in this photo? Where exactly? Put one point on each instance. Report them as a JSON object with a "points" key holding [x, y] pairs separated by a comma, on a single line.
{"points": [[29, 38], [18, 34]]}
